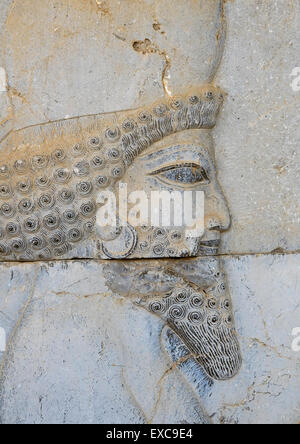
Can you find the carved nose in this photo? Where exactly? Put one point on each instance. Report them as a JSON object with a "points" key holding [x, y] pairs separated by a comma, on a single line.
{"points": [[218, 215]]}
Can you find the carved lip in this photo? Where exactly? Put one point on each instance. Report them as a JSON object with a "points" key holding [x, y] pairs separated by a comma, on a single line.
{"points": [[208, 251], [211, 243], [209, 246]]}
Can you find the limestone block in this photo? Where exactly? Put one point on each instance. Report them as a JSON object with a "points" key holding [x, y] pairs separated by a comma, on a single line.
{"points": [[257, 136], [95, 56], [82, 353]]}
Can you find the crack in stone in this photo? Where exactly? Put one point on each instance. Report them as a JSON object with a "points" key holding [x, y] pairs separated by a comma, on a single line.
{"points": [[92, 260], [147, 47], [133, 397], [19, 321]]}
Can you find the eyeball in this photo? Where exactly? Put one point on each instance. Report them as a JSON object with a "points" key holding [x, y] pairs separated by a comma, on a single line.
{"points": [[70, 216], [212, 303], [214, 320], [4, 171], [194, 100], [46, 201], [102, 181], [158, 250], [62, 175], [57, 238], [97, 162], [177, 103], [145, 117], [114, 155], [18, 246], [117, 172], [43, 182], [226, 304], [24, 186], [7, 210], [37, 243], [209, 95]]}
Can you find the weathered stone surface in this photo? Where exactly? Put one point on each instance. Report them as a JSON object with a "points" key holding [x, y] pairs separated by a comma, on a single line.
{"points": [[77, 351], [257, 136], [104, 56], [83, 354]]}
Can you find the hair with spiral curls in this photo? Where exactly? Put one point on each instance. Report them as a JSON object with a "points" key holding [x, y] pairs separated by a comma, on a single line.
{"points": [[52, 177]]}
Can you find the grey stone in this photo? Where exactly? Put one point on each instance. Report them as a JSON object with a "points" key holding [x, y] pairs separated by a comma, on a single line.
{"points": [[78, 349], [83, 354], [257, 135], [255, 145]]}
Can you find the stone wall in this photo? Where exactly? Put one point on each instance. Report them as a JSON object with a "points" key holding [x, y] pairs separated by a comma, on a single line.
{"points": [[76, 351]]}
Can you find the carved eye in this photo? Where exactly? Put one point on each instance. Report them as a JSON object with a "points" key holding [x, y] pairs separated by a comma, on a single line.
{"points": [[185, 174]]}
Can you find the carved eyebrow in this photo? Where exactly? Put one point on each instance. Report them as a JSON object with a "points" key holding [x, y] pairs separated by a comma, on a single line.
{"points": [[173, 167]]}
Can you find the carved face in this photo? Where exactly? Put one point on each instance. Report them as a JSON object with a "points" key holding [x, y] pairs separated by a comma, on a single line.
{"points": [[180, 164]]}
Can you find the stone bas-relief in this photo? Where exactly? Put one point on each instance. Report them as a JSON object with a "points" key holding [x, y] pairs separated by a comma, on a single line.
{"points": [[49, 193], [199, 313], [51, 176]]}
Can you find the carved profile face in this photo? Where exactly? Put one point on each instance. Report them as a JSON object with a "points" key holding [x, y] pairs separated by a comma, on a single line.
{"points": [[182, 164], [52, 177]]}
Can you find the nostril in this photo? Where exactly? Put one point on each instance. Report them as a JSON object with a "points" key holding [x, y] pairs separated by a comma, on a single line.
{"points": [[214, 224]]}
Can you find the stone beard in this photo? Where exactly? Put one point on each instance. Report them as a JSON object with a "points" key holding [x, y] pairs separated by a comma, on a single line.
{"points": [[50, 176]]}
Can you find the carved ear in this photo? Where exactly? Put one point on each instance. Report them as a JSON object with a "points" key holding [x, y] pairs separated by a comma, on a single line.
{"points": [[121, 243]]}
